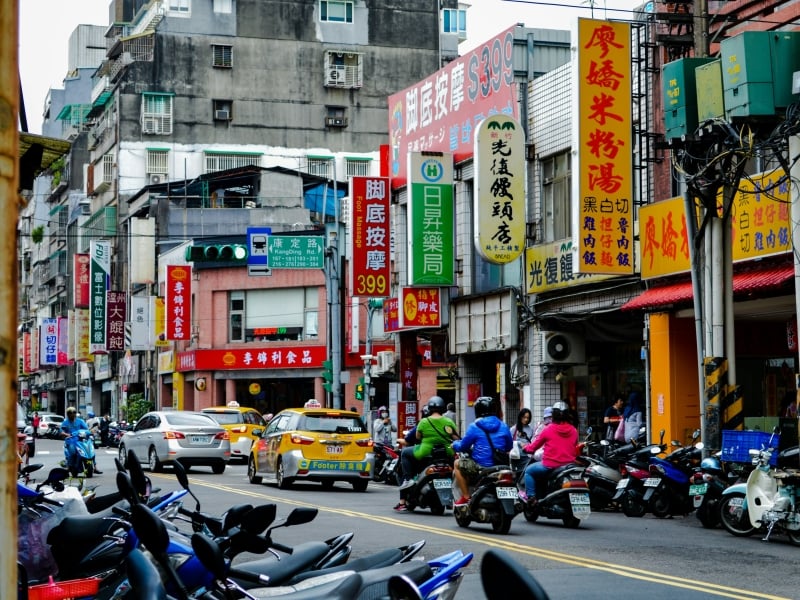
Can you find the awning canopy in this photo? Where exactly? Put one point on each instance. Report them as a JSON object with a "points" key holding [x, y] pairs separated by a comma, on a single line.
{"points": [[762, 280]]}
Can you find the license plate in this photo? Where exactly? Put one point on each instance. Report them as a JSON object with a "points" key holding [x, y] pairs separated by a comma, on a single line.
{"points": [[391, 464], [652, 482], [736, 502], [442, 484], [698, 489], [334, 449], [198, 439], [622, 483], [580, 505], [504, 493]]}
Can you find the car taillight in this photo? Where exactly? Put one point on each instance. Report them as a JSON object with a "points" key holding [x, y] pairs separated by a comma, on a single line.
{"points": [[239, 429], [223, 435], [573, 483], [174, 435], [368, 443], [303, 440]]}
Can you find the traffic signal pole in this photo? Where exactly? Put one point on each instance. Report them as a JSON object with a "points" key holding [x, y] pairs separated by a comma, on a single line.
{"points": [[332, 266]]}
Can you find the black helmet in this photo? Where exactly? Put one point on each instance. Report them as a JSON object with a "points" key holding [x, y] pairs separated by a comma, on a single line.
{"points": [[484, 406], [436, 404]]}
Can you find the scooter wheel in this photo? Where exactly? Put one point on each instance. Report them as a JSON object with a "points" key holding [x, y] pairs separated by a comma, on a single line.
{"points": [[571, 522], [462, 517], [632, 507], [662, 506], [531, 514], [733, 517]]}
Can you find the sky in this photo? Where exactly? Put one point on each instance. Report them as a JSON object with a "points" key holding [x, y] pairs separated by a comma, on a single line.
{"points": [[45, 27]]}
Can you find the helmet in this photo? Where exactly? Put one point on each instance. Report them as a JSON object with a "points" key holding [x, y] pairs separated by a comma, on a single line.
{"points": [[72, 410], [91, 415], [425, 411], [382, 408], [484, 406], [436, 404], [560, 409]]}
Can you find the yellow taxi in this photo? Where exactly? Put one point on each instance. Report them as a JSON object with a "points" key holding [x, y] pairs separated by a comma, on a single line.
{"points": [[242, 423], [313, 444]]}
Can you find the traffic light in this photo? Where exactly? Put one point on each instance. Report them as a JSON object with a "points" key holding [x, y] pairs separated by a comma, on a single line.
{"points": [[360, 389], [230, 253], [327, 375]]}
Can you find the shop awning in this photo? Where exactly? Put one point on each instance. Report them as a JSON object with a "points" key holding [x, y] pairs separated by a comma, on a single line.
{"points": [[762, 280]]}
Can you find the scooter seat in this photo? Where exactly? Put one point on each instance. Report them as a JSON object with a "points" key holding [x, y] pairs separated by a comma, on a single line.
{"points": [[384, 558], [303, 556], [79, 529]]}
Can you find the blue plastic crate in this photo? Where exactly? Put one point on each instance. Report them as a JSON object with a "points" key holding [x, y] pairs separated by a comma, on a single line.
{"points": [[736, 445]]}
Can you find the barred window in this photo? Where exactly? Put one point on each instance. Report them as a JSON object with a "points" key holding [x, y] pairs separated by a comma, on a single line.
{"points": [[358, 167], [222, 161], [222, 56], [157, 162], [157, 113], [322, 167]]}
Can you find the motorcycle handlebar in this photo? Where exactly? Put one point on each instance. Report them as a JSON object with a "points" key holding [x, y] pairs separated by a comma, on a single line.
{"points": [[281, 547]]}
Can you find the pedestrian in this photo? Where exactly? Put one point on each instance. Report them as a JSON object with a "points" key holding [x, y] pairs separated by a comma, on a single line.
{"points": [[36, 420], [450, 413], [383, 427], [613, 416], [633, 416], [522, 432], [560, 441], [105, 421]]}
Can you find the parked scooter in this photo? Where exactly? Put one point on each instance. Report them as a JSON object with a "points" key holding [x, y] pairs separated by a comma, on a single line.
{"points": [[773, 495], [433, 487], [635, 471], [79, 453], [493, 499], [563, 495], [667, 488], [387, 460], [706, 486]]}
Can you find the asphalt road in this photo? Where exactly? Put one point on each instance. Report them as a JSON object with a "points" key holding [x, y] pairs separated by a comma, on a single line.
{"points": [[609, 556]]}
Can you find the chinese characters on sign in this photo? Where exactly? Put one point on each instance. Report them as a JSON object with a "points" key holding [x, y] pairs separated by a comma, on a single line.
{"points": [[80, 267], [420, 307], [441, 112], [252, 358], [431, 237], [370, 266], [117, 313], [499, 203], [178, 302], [48, 345], [99, 273], [550, 266], [296, 251], [604, 174]]}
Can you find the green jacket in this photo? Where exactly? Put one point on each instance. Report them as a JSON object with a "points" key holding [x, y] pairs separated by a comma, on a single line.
{"points": [[434, 431]]}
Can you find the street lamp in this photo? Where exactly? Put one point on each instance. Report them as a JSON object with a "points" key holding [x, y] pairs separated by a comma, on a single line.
{"points": [[367, 358]]}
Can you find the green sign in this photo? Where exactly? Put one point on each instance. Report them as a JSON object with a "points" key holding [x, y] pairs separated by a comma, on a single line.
{"points": [[296, 251]]}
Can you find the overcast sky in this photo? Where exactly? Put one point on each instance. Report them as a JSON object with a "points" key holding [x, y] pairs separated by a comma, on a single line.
{"points": [[45, 27]]}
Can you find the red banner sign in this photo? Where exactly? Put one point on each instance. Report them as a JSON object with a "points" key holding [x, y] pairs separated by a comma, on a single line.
{"points": [[266, 357], [420, 307], [80, 290], [370, 267], [179, 302]]}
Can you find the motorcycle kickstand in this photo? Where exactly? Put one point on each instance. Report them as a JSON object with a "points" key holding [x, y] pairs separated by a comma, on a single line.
{"points": [[769, 531]]}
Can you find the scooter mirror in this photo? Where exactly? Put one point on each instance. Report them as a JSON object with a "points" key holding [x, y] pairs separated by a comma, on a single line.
{"points": [[301, 515], [699, 445], [180, 474], [589, 430]]}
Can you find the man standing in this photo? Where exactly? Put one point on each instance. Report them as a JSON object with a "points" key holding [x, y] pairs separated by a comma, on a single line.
{"points": [[613, 416], [451, 412]]}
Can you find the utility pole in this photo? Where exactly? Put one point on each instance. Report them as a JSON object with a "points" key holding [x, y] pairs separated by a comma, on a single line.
{"points": [[332, 277], [373, 304]]}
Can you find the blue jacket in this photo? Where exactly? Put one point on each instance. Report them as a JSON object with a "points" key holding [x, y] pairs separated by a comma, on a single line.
{"points": [[476, 443]]}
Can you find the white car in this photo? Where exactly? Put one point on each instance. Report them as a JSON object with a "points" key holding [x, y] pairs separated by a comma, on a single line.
{"points": [[45, 419]]}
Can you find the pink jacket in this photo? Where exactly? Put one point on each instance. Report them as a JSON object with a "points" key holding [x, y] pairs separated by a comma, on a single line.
{"points": [[560, 441]]}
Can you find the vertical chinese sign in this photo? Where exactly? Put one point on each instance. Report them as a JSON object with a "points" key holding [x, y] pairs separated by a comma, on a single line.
{"points": [[431, 227], [117, 313], [499, 203], [420, 307], [99, 274], [370, 267], [604, 174], [80, 290], [48, 348], [178, 302]]}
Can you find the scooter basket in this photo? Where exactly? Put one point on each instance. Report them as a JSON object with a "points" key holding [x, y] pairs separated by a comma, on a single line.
{"points": [[736, 445], [64, 590]]}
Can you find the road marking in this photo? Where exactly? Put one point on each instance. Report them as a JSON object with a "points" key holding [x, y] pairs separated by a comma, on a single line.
{"points": [[515, 546]]}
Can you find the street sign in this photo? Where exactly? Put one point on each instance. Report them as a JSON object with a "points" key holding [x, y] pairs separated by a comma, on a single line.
{"points": [[296, 251], [257, 246], [258, 270]]}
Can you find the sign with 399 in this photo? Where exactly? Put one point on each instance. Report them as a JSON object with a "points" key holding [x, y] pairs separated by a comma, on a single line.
{"points": [[370, 263]]}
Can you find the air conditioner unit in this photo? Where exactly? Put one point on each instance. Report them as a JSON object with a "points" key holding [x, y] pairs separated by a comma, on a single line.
{"points": [[155, 178], [336, 121], [222, 115], [385, 361], [559, 347]]}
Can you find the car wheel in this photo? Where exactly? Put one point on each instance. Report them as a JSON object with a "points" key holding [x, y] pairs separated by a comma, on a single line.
{"points": [[327, 484], [123, 456], [360, 485], [251, 472], [280, 477], [218, 468], [152, 461]]}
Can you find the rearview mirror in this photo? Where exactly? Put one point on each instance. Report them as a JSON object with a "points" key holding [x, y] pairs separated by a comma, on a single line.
{"points": [[257, 432]]}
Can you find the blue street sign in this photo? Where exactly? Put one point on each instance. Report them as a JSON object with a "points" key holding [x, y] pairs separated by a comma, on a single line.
{"points": [[257, 245]]}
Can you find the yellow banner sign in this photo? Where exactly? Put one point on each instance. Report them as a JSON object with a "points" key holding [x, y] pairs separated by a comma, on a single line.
{"points": [[550, 266]]}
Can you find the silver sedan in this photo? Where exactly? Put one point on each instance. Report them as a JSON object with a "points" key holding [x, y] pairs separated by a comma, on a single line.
{"points": [[161, 437]]}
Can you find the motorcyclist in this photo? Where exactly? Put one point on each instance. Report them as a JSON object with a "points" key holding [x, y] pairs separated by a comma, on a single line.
{"points": [[476, 442], [435, 429], [559, 440], [69, 427]]}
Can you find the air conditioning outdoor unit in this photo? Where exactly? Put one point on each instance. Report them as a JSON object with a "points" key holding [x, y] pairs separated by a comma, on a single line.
{"points": [[222, 115], [385, 361], [560, 347], [155, 178], [336, 121]]}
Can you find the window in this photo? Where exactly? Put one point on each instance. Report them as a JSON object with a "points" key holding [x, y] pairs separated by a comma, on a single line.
{"points": [[454, 21], [320, 165], [223, 110], [358, 167], [334, 11], [181, 6], [343, 69], [157, 162], [221, 56], [556, 175], [237, 312], [223, 6], [221, 161], [157, 113]]}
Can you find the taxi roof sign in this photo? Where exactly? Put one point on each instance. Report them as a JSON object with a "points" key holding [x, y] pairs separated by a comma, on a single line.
{"points": [[312, 404], [233, 404]]}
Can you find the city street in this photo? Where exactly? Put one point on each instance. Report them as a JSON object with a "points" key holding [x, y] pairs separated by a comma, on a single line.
{"points": [[635, 558]]}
